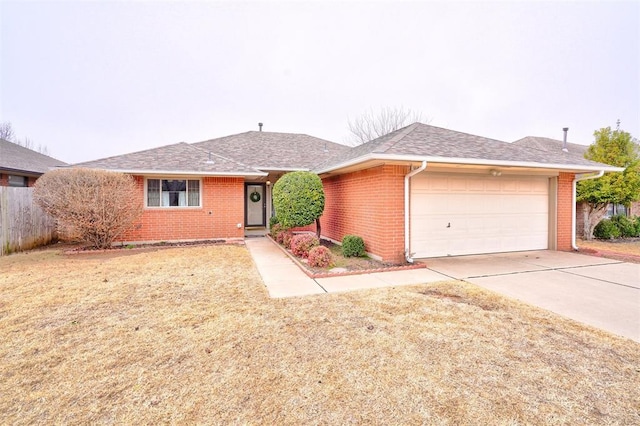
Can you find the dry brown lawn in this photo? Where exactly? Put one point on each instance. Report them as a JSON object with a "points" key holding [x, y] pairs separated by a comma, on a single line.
{"points": [[189, 335], [629, 246]]}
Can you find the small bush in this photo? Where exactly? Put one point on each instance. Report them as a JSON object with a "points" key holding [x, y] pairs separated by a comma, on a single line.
{"points": [[636, 224], [275, 230], [301, 244], [352, 246], [606, 230], [286, 238], [273, 220], [320, 257], [625, 226]]}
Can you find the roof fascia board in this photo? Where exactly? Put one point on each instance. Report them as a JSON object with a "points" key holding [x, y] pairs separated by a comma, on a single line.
{"points": [[468, 161]]}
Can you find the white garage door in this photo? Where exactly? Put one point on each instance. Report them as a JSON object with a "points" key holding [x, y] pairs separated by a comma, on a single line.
{"points": [[472, 214]]}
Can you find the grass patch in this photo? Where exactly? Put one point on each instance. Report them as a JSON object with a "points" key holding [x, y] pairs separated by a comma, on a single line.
{"points": [[189, 335]]}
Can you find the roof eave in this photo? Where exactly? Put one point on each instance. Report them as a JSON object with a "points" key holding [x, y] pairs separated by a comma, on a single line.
{"points": [[468, 161], [21, 171], [283, 169], [182, 172]]}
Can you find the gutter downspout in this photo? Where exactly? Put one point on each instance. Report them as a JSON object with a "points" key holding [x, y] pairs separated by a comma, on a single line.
{"points": [[407, 248], [579, 177]]}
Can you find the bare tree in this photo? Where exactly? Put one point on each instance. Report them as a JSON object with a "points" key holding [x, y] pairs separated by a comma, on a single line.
{"points": [[373, 124], [7, 133], [98, 205]]}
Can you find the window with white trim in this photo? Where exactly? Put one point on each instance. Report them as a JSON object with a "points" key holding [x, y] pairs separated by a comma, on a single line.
{"points": [[173, 193]]}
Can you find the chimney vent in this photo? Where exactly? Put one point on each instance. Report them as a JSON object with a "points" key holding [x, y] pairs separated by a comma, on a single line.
{"points": [[260, 126], [564, 141]]}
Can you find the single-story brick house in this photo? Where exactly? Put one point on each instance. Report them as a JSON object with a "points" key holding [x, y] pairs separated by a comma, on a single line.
{"points": [[579, 151], [20, 166], [420, 191]]}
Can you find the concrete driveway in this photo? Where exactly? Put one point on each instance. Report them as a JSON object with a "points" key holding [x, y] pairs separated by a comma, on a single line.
{"points": [[600, 292]]}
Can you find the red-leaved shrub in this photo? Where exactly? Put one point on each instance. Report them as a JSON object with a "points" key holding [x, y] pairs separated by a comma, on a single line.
{"points": [[320, 257], [302, 243], [287, 236], [275, 230]]}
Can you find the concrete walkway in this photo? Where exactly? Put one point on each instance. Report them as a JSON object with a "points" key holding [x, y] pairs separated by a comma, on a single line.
{"points": [[600, 292], [283, 278]]}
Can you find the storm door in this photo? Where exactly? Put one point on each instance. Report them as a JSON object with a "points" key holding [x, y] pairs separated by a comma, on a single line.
{"points": [[255, 204]]}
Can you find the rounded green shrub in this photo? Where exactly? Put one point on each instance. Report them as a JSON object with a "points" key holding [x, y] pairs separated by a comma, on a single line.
{"points": [[301, 244], [606, 230], [352, 246], [298, 199], [320, 257], [625, 226]]}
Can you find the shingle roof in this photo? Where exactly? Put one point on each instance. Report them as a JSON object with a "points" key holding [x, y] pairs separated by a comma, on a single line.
{"points": [[548, 144], [253, 153], [275, 151], [421, 140], [177, 158], [21, 159]]}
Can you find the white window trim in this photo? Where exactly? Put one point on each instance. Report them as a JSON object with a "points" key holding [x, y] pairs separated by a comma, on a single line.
{"points": [[146, 198]]}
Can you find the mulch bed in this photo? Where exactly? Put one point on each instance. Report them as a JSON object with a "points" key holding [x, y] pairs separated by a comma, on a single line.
{"points": [[355, 266], [624, 257]]}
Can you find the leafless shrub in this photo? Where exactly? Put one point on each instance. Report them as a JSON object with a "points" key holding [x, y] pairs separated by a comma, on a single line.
{"points": [[99, 205]]}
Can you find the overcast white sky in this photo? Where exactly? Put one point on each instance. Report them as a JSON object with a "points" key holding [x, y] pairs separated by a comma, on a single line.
{"points": [[95, 79]]}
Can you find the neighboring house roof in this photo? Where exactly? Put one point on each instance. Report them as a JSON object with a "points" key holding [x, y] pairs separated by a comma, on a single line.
{"points": [[275, 151], [548, 144], [421, 142], [180, 158], [14, 157]]}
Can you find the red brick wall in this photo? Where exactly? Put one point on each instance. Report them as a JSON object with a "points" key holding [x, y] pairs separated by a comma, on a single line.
{"points": [[565, 210], [370, 204], [223, 197]]}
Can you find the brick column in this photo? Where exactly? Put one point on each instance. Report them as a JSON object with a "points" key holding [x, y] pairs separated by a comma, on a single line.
{"points": [[565, 210]]}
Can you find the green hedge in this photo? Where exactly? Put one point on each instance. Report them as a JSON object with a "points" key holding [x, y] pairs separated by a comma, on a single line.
{"points": [[606, 230], [617, 227], [352, 246]]}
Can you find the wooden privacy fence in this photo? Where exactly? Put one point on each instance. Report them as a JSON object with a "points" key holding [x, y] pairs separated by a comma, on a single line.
{"points": [[23, 225]]}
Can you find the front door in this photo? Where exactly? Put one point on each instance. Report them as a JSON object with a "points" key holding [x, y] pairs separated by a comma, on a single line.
{"points": [[255, 204]]}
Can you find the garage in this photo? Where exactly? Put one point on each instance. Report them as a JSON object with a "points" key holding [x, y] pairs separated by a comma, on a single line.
{"points": [[460, 214]]}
